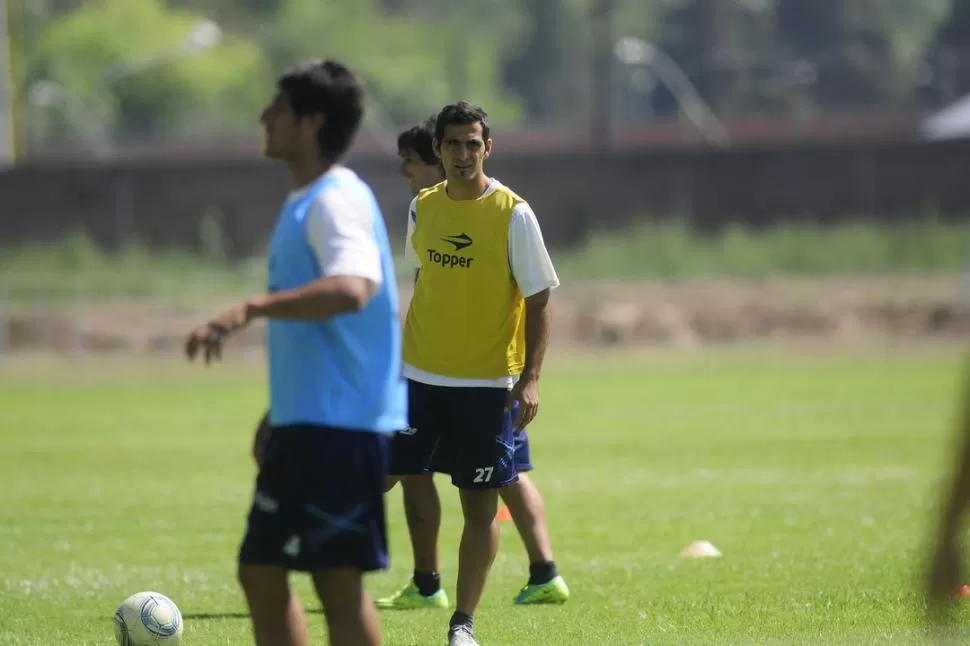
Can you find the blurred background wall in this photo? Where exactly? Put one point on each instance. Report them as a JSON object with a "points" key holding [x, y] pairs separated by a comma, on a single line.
{"points": [[656, 139]]}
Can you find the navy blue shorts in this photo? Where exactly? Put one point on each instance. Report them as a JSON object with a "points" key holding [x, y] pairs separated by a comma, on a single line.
{"points": [[522, 459], [465, 432], [319, 501]]}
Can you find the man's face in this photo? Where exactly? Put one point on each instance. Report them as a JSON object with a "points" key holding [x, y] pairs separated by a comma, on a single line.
{"points": [[463, 151], [417, 172], [287, 137]]}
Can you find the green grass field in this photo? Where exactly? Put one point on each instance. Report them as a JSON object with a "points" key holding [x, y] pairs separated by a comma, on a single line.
{"points": [[815, 471]]}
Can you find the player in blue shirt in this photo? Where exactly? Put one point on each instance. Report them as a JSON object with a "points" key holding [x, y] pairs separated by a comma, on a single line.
{"points": [[336, 392]]}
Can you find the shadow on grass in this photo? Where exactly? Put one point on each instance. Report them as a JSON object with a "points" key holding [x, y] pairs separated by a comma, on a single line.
{"points": [[235, 615]]}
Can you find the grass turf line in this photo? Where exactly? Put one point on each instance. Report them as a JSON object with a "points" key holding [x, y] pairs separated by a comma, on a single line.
{"points": [[76, 268]]}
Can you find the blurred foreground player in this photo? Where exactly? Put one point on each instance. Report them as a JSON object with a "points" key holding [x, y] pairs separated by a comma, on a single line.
{"points": [[336, 391], [422, 506], [475, 337], [947, 564]]}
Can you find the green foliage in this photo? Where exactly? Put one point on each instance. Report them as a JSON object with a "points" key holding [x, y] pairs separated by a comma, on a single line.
{"points": [[527, 61], [667, 250], [403, 60], [233, 13], [548, 69], [728, 51], [78, 266], [671, 250], [157, 87], [847, 41], [865, 53], [948, 55], [955, 29], [911, 27]]}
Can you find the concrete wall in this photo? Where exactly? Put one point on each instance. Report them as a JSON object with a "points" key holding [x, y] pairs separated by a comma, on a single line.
{"points": [[163, 204]]}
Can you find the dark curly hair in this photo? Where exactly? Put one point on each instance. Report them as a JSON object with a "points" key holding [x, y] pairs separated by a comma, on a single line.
{"points": [[462, 113], [418, 139], [330, 88]]}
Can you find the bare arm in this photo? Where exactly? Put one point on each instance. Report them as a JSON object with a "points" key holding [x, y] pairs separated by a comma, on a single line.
{"points": [[526, 389], [410, 257], [533, 272], [959, 497], [536, 277], [321, 299], [339, 230], [537, 318]]}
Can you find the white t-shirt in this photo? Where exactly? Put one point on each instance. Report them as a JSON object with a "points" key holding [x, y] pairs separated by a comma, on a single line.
{"points": [[340, 229], [532, 270]]}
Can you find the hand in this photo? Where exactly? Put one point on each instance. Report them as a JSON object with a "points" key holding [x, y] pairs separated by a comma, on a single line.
{"points": [[209, 336], [263, 431], [526, 393]]}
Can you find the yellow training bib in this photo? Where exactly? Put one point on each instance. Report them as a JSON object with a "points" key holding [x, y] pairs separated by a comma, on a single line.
{"points": [[467, 315]]}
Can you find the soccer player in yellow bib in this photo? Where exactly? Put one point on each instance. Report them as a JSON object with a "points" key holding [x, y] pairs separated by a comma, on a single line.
{"points": [[422, 169], [475, 336]]}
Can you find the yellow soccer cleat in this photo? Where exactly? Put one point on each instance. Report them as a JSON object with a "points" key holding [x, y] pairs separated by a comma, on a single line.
{"points": [[410, 598], [554, 591]]}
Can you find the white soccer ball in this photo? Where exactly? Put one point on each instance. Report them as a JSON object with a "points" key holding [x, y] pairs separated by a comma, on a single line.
{"points": [[146, 619]]}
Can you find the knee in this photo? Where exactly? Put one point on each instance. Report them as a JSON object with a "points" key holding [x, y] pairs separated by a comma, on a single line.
{"points": [[339, 587], [479, 507], [246, 577], [420, 484]]}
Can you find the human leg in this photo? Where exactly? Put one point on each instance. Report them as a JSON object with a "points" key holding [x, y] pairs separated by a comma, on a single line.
{"points": [[526, 506], [275, 613], [478, 547], [483, 465], [412, 452], [422, 509], [351, 617], [528, 511], [346, 534], [318, 508], [274, 609]]}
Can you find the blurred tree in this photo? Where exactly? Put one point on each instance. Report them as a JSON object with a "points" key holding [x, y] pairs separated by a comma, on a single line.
{"points": [[242, 16], [722, 46], [502, 21], [912, 27], [535, 71], [412, 66], [758, 84], [51, 7], [948, 56], [544, 44], [694, 42], [847, 42], [120, 67]]}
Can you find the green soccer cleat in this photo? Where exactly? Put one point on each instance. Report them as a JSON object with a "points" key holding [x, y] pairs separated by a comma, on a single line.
{"points": [[410, 598], [554, 591]]}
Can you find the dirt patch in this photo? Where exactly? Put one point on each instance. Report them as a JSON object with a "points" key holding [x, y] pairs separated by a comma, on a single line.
{"points": [[597, 314], [890, 307]]}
